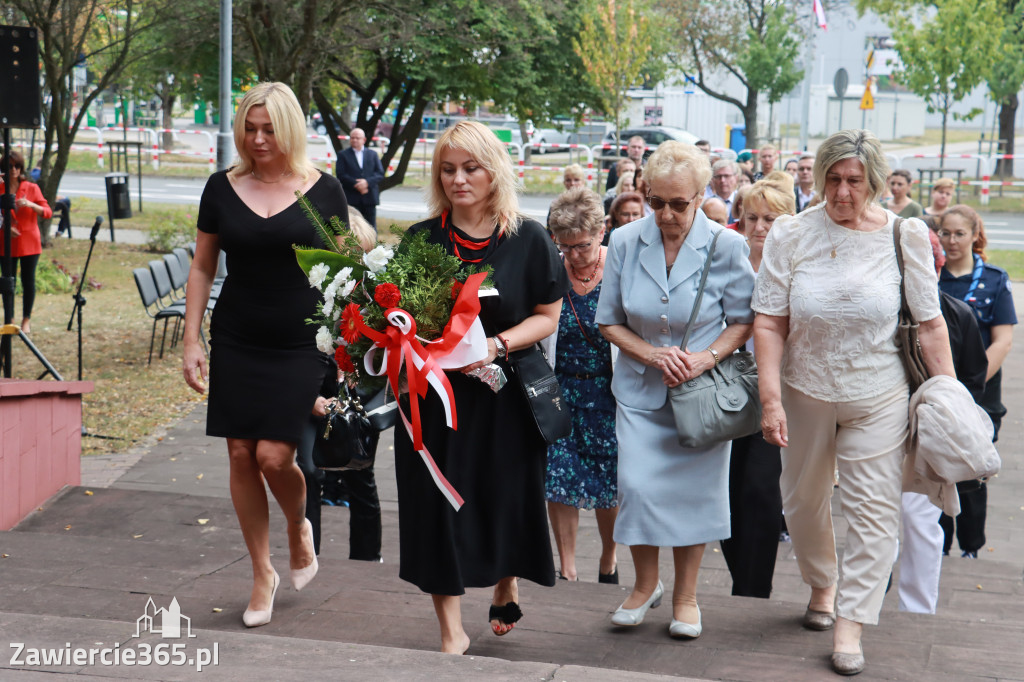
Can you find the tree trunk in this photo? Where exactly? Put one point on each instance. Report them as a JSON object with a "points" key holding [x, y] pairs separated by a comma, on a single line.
{"points": [[524, 138], [750, 119], [942, 149], [167, 119], [1007, 118]]}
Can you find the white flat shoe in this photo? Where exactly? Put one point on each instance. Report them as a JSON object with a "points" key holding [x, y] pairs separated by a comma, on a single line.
{"points": [[686, 630], [254, 619], [302, 576], [636, 616]]}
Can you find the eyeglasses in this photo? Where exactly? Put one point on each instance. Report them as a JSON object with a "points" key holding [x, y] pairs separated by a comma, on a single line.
{"points": [[723, 175], [578, 248], [677, 205], [954, 236]]}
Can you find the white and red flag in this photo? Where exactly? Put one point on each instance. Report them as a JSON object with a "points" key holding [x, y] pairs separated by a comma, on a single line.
{"points": [[819, 14]]}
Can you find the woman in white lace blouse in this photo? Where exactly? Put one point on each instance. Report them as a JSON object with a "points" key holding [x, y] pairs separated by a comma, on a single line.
{"points": [[832, 385]]}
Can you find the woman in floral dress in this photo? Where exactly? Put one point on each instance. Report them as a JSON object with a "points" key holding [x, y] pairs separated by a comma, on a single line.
{"points": [[582, 467]]}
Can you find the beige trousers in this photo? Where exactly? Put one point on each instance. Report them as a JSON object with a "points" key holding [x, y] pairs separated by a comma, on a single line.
{"points": [[866, 439]]}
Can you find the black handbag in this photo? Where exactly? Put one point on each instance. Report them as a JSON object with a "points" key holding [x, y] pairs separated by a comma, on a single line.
{"points": [[543, 394], [382, 413], [722, 403], [346, 439]]}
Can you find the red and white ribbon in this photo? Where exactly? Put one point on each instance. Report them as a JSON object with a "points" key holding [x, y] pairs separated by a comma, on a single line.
{"points": [[402, 347]]}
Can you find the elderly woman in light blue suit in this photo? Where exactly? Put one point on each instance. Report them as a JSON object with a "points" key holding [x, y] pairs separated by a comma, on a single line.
{"points": [[670, 496]]}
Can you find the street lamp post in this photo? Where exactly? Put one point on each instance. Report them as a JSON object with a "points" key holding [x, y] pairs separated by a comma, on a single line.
{"points": [[225, 146]]}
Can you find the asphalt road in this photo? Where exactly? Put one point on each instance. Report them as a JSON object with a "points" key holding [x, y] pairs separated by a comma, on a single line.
{"points": [[1005, 230], [398, 203]]}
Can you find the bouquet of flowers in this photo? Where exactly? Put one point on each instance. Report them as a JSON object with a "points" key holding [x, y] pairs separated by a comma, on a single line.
{"points": [[412, 305]]}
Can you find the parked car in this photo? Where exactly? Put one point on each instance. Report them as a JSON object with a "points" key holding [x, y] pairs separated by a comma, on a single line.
{"points": [[542, 136], [653, 136]]}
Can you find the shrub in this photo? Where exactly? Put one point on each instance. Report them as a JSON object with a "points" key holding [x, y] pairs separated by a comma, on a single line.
{"points": [[51, 278], [172, 228]]}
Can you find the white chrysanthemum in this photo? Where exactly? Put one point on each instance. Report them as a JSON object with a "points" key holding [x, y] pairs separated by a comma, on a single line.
{"points": [[342, 276], [323, 340], [330, 292], [317, 275], [347, 289], [328, 307], [378, 258]]}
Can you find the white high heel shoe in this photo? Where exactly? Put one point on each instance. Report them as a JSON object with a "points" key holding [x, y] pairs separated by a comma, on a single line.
{"points": [[636, 616], [302, 576], [254, 619], [686, 630]]}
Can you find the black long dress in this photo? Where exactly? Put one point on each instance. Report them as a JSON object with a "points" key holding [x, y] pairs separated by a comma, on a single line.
{"points": [[496, 459], [265, 369]]}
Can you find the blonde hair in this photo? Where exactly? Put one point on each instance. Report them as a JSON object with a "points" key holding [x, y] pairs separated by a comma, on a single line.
{"points": [[781, 179], [482, 144], [289, 128], [578, 210], [628, 177], [573, 170], [364, 233], [775, 197], [673, 157], [853, 144], [944, 182]]}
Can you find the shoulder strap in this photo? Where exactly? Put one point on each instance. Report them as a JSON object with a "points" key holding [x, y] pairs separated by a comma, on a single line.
{"points": [[904, 306], [700, 291]]}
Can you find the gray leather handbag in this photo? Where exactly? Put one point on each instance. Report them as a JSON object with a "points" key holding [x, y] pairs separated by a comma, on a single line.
{"points": [[722, 403]]}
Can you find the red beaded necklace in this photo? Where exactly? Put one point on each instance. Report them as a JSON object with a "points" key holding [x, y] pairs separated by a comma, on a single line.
{"points": [[466, 243]]}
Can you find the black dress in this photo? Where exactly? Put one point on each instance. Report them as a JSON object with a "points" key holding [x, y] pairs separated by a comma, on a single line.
{"points": [[496, 459], [265, 369]]}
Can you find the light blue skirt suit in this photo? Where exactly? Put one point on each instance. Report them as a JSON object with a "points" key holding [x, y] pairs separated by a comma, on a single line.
{"points": [[669, 496]]}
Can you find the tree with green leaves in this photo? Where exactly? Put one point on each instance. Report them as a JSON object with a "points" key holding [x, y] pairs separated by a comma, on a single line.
{"points": [[1007, 79], [416, 52], [991, 31], [550, 79], [292, 41], [947, 53], [100, 33], [615, 44], [754, 41], [177, 65]]}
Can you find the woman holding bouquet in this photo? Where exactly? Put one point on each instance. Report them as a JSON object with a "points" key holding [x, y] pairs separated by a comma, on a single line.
{"points": [[265, 368], [496, 458]]}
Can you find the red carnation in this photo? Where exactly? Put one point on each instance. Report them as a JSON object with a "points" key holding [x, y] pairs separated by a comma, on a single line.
{"points": [[344, 360], [387, 295], [349, 317], [457, 288]]}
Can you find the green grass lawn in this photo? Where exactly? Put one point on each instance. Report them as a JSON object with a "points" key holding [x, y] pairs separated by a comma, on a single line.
{"points": [[1011, 261]]}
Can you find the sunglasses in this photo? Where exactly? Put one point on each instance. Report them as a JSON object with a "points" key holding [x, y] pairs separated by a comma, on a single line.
{"points": [[677, 205]]}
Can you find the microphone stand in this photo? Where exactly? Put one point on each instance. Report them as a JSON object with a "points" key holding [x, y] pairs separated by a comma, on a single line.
{"points": [[76, 311]]}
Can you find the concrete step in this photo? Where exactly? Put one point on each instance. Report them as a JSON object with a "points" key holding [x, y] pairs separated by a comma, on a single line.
{"points": [[100, 557]]}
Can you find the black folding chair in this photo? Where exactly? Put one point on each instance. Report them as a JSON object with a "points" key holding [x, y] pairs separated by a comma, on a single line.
{"points": [[148, 292], [177, 276]]}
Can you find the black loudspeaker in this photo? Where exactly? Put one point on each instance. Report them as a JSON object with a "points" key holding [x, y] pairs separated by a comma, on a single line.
{"points": [[20, 96]]}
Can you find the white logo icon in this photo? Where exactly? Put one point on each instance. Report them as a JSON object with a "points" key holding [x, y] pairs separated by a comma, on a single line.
{"points": [[163, 622]]}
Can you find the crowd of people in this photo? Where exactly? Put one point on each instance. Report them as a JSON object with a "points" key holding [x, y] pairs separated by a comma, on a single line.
{"points": [[796, 264]]}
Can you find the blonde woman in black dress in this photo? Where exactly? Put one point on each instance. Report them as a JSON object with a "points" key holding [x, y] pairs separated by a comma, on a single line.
{"points": [[265, 369], [496, 459]]}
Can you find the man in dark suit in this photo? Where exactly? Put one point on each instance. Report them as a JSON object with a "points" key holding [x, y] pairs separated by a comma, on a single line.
{"points": [[361, 172]]}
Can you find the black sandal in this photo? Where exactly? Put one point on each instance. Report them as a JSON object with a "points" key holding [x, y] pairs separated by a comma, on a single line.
{"points": [[509, 614]]}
